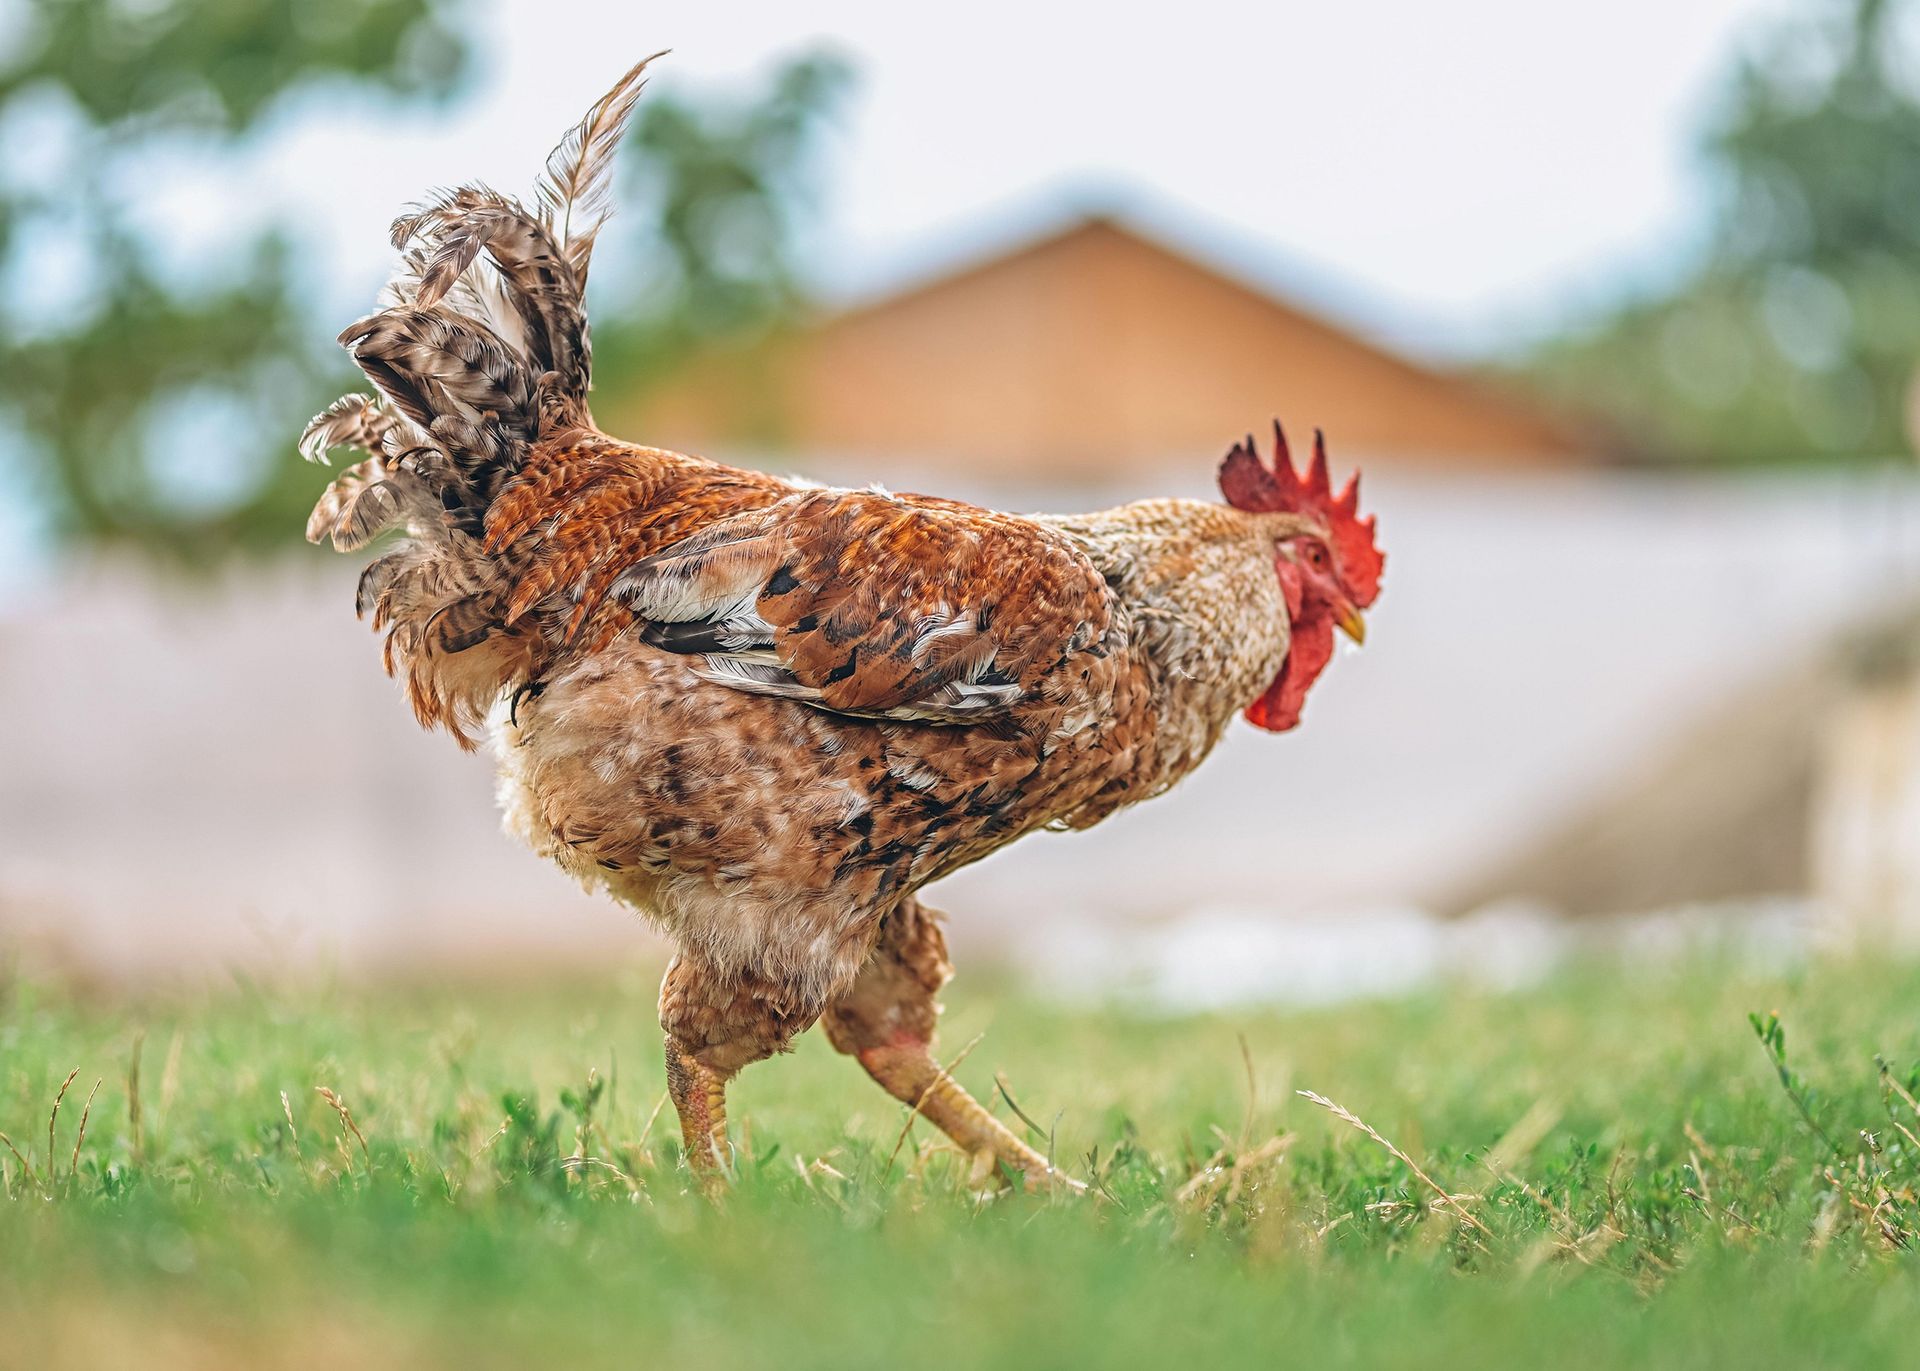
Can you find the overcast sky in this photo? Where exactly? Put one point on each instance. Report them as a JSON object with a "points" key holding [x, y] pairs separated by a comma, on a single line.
{"points": [[1445, 173]]}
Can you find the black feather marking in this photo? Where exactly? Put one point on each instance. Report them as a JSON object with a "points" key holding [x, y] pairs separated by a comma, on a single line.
{"points": [[696, 637], [845, 669], [529, 690]]}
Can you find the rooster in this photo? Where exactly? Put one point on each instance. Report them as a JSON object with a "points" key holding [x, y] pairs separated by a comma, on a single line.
{"points": [[763, 713]]}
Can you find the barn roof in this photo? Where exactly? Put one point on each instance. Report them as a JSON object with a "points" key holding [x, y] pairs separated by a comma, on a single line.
{"points": [[1090, 352]]}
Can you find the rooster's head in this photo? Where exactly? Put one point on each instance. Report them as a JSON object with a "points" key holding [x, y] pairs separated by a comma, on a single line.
{"points": [[1327, 574]]}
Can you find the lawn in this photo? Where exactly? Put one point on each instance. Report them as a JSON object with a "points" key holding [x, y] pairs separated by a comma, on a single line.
{"points": [[1616, 1170]]}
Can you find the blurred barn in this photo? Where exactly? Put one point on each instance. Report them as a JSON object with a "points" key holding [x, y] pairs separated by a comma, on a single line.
{"points": [[1097, 355]]}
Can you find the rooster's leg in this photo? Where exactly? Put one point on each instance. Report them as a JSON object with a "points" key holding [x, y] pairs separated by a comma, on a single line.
{"points": [[886, 1020], [700, 1098], [716, 1024]]}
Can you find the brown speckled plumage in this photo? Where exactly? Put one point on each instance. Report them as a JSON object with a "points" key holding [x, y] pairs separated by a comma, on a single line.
{"points": [[762, 714]]}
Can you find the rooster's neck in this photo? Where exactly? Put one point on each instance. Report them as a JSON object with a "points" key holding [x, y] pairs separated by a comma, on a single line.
{"points": [[1207, 616]]}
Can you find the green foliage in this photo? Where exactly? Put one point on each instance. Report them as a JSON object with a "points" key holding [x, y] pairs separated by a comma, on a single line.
{"points": [[1797, 337], [1623, 1174], [719, 197], [89, 385], [216, 66]]}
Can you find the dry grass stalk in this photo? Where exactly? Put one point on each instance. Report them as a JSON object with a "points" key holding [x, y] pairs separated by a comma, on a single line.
{"points": [[1217, 1173], [286, 1108], [820, 1167], [1869, 1212], [26, 1166], [1893, 1084], [1207, 1176], [73, 1166], [1887, 1215], [581, 1163], [54, 1118], [1348, 1116], [1700, 1172], [1247, 1163], [498, 1134], [1320, 1233], [170, 1073], [1726, 1212], [346, 1119], [1253, 1091], [652, 1118], [133, 1097], [1567, 1235], [1826, 1221], [607, 1145], [1700, 1144]]}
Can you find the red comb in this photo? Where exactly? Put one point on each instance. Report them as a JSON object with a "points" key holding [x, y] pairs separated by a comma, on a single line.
{"points": [[1248, 483]]}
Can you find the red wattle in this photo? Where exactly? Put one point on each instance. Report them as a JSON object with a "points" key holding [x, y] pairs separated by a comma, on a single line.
{"points": [[1312, 648]]}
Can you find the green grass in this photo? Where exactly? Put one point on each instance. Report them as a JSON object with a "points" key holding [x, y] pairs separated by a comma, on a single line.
{"points": [[1672, 1190]]}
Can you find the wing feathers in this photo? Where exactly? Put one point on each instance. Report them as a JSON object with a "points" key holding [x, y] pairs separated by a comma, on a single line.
{"points": [[873, 605]]}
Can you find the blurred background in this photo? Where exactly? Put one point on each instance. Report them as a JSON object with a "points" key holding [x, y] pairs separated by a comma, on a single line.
{"points": [[1620, 314]]}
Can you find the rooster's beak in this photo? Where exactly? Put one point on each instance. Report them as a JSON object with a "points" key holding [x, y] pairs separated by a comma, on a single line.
{"points": [[1352, 624]]}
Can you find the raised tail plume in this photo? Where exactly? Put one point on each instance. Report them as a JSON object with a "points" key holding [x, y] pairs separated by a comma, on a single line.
{"points": [[481, 345], [576, 189], [478, 351]]}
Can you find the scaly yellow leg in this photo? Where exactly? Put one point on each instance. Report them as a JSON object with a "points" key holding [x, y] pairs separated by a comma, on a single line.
{"points": [[700, 1097], [906, 1069]]}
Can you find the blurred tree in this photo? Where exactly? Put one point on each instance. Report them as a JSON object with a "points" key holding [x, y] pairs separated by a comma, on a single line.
{"points": [[158, 412], [113, 362], [1798, 335], [717, 204]]}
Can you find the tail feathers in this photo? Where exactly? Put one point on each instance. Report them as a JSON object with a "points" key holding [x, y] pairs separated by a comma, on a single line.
{"points": [[438, 605], [353, 421], [526, 290], [465, 388], [575, 190], [481, 344], [373, 495], [479, 349], [360, 505], [432, 363]]}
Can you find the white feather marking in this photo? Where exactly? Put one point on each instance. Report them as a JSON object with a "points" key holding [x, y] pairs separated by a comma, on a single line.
{"points": [[914, 775], [756, 677]]}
